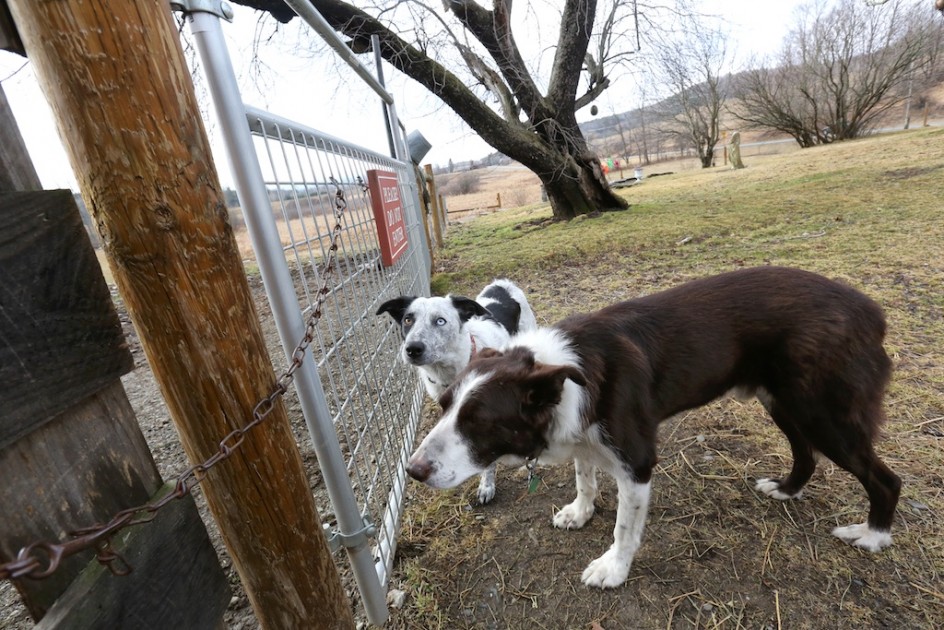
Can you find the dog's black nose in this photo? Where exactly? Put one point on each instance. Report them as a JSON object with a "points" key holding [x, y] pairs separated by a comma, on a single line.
{"points": [[419, 469], [415, 349]]}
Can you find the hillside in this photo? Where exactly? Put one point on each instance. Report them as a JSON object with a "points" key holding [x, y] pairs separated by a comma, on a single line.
{"points": [[498, 182]]}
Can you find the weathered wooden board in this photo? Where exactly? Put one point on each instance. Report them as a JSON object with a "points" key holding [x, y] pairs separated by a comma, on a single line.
{"points": [[9, 38], [176, 580], [60, 338], [75, 471], [16, 167]]}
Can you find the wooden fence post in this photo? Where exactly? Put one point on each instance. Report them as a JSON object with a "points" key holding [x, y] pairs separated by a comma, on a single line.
{"points": [[437, 217], [71, 451], [61, 356], [424, 211], [116, 79]]}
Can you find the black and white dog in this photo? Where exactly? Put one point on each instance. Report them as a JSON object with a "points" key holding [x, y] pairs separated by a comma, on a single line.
{"points": [[595, 387], [441, 335]]}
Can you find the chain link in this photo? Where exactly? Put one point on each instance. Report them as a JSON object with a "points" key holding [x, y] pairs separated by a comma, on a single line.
{"points": [[41, 559]]}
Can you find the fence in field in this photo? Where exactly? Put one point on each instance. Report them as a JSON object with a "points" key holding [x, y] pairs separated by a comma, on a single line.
{"points": [[360, 406]]}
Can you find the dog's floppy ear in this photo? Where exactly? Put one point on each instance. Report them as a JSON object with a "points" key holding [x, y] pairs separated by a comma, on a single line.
{"points": [[396, 307], [544, 386], [467, 308]]}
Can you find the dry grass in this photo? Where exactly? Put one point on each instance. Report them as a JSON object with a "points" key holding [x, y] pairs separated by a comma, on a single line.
{"points": [[716, 554], [311, 230], [513, 186]]}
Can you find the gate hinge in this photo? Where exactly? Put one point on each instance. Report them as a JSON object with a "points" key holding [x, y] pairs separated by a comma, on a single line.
{"points": [[336, 539], [219, 8]]}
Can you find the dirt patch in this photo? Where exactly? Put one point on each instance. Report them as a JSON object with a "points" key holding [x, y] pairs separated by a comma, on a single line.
{"points": [[715, 552], [908, 173]]}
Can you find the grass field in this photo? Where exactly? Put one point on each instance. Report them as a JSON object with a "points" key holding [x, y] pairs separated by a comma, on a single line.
{"points": [[715, 554]]}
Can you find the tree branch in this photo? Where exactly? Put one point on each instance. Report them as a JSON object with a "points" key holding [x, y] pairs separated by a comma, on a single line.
{"points": [[493, 30], [572, 44]]}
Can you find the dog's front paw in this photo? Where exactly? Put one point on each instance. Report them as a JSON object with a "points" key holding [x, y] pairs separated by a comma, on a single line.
{"points": [[864, 537], [574, 515], [486, 491], [608, 571], [771, 487]]}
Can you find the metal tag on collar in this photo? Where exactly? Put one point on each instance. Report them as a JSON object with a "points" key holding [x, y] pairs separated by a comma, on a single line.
{"points": [[533, 478]]}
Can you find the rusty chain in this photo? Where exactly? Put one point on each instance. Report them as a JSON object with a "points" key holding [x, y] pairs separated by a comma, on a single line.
{"points": [[41, 559]]}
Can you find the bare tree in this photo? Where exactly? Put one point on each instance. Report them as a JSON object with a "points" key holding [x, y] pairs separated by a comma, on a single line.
{"points": [[928, 71], [469, 57], [840, 70], [938, 4], [692, 66]]}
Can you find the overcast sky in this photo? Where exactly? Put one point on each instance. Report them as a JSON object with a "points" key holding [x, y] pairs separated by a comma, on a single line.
{"points": [[305, 90]]}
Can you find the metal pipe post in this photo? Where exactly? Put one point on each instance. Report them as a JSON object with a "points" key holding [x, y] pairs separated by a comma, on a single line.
{"points": [[250, 186]]}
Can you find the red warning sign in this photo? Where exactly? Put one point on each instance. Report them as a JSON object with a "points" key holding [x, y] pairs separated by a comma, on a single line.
{"points": [[388, 213]]}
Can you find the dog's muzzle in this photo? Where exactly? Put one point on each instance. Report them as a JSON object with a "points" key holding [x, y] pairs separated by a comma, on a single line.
{"points": [[415, 350], [420, 469]]}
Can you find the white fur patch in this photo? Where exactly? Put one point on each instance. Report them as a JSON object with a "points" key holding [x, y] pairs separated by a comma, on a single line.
{"points": [[612, 568], [771, 488], [486, 489], [552, 347], [526, 319], [862, 536], [576, 514], [444, 449]]}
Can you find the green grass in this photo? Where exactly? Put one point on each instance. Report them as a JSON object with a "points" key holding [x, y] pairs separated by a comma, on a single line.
{"points": [[849, 190], [869, 212], [870, 205]]}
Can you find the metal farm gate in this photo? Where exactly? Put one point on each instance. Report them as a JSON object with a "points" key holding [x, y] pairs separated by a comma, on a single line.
{"points": [[361, 408]]}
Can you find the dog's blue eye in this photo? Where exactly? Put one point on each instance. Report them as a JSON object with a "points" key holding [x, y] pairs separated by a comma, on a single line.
{"points": [[441, 322]]}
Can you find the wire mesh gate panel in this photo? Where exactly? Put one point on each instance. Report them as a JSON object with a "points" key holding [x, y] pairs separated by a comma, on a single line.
{"points": [[374, 400], [361, 406]]}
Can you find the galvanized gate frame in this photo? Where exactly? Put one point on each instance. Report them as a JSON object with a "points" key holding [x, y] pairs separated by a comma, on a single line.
{"points": [[235, 120]]}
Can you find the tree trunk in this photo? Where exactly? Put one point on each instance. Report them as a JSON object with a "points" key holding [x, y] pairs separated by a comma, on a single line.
{"points": [[554, 147], [707, 156], [574, 189], [116, 79], [571, 174]]}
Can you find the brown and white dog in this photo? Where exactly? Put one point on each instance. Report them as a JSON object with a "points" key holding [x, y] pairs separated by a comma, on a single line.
{"points": [[595, 387]]}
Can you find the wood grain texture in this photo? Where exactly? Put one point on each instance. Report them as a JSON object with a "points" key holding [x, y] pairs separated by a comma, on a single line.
{"points": [[9, 38], [77, 470], [16, 166], [118, 85], [60, 338], [175, 582]]}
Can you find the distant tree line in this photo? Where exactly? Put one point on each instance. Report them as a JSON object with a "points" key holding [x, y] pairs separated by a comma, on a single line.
{"points": [[842, 69]]}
